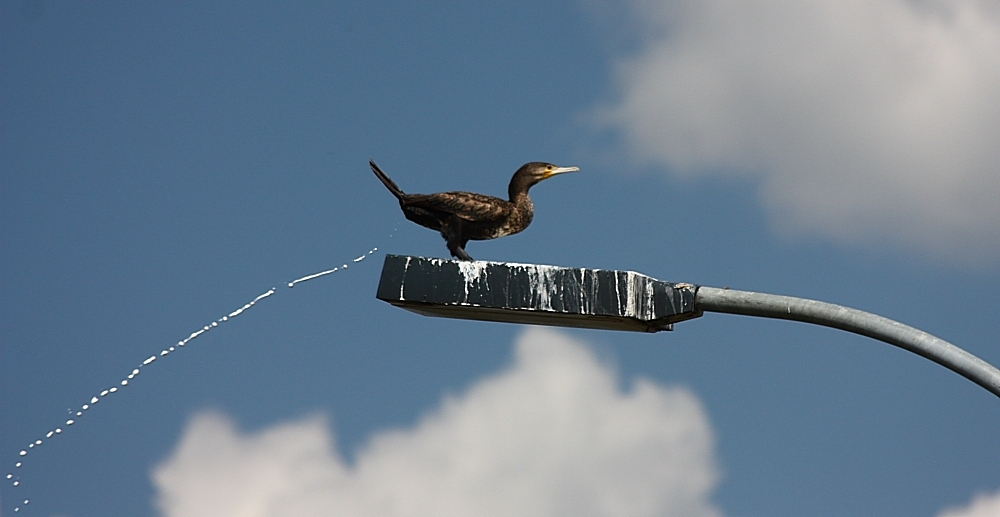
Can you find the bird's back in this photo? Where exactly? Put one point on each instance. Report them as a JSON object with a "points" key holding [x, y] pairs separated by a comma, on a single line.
{"points": [[465, 205]]}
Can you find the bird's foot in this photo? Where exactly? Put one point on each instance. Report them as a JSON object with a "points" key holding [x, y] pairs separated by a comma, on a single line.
{"points": [[461, 254]]}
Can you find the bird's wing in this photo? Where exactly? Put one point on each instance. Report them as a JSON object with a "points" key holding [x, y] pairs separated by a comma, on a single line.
{"points": [[466, 205]]}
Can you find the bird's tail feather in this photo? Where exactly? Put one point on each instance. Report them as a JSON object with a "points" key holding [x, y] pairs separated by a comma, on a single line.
{"points": [[389, 184]]}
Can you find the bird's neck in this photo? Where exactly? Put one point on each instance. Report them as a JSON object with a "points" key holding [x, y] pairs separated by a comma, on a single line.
{"points": [[518, 192], [518, 187], [520, 199], [523, 207]]}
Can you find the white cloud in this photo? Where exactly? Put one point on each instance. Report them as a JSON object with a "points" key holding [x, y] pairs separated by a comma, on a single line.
{"points": [[552, 435], [984, 505], [863, 120]]}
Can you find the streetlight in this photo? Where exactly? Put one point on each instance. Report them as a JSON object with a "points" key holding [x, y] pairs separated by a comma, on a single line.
{"points": [[625, 300]]}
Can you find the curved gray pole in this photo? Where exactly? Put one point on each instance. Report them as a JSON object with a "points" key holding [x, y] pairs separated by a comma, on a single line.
{"points": [[732, 301]]}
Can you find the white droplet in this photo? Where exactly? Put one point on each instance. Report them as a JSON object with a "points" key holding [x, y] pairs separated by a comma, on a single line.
{"points": [[26, 501], [86, 407], [50, 433], [206, 327], [95, 400], [38, 442], [59, 430], [79, 413], [135, 372], [15, 484], [112, 390], [31, 446], [165, 352], [171, 349], [147, 361], [215, 323], [344, 266], [10, 476], [180, 343], [225, 318], [125, 382], [290, 284], [105, 393], [69, 422], [23, 452]]}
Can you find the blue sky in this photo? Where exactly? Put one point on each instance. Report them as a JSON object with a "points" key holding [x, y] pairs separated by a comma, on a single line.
{"points": [[162, 165]]}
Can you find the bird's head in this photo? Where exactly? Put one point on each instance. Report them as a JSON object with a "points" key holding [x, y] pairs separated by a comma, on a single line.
{"points": [[533, 172]]}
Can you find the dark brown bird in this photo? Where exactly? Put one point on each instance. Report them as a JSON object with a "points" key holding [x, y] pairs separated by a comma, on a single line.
{"points": [[465, 216]]}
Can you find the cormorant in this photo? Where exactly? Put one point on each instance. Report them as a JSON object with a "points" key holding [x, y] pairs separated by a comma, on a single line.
{"points": [[465, 216]]}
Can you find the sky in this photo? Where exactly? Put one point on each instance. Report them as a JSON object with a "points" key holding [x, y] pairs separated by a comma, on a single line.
{"points": [[162, 166]]}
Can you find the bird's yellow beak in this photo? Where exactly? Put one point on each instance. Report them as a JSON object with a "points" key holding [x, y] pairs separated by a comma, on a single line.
{"points": [[560, 170]]}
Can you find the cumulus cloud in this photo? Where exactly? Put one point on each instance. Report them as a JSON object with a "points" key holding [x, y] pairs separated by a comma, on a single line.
{"points": [[554, 434], [862, 120], [984, 505]]}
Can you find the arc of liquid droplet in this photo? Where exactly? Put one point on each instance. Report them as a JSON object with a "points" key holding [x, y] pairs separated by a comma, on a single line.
{"points": [[239, 311], [310, 277], [330, 271], [164, 352]]}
